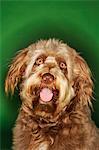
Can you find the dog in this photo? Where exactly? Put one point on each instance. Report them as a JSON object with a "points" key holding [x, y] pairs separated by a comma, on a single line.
{"points": [[55, 87]]}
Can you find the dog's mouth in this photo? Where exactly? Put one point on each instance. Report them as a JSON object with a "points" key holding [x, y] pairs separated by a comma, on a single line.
{"points": [[46, 97], [45, 100], [46, 94]]}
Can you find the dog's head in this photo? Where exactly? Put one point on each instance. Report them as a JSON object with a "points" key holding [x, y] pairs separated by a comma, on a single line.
{"points": [[52, 76]]}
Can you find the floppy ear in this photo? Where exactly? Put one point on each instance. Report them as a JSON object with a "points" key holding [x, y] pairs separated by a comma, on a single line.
{"points": [[16, 71], [82, 82]]}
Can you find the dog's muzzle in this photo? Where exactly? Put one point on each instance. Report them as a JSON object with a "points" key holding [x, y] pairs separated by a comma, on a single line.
{"points": [[47, 87], [47, 94]]}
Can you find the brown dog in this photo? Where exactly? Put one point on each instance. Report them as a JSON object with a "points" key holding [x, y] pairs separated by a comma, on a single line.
{"points": [[55, 89]]}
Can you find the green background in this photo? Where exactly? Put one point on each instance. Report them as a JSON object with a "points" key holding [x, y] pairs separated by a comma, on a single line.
{"points": [[24, 22]]}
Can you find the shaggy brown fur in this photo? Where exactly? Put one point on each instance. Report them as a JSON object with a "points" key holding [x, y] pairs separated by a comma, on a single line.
{"points": [[64, 122]]}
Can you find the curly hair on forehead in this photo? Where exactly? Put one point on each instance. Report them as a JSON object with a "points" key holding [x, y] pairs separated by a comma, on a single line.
{"points": [[55, 86]]}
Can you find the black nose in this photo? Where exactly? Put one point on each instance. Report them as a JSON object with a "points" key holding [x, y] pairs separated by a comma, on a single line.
{"points": [[48, 78]]}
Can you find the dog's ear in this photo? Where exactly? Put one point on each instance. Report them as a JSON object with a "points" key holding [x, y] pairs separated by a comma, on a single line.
{"points": [[83, 84], [16, 71]]}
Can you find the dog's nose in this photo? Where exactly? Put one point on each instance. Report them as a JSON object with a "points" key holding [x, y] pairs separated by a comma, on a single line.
{"points": [[48, 78]]}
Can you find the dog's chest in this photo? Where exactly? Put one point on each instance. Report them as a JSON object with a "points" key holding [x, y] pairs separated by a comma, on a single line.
{"points": [[44, 139], [60, 139]]}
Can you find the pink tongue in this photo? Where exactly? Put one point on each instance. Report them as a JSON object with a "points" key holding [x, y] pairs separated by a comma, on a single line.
{"points": [[46, 95]]}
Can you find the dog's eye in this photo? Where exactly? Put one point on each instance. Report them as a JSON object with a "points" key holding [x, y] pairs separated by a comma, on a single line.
{"points": [[62, 65], [39, 61]]}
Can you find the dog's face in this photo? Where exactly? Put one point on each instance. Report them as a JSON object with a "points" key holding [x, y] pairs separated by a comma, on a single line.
{"points": [[47, 84], [51, 76]]}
